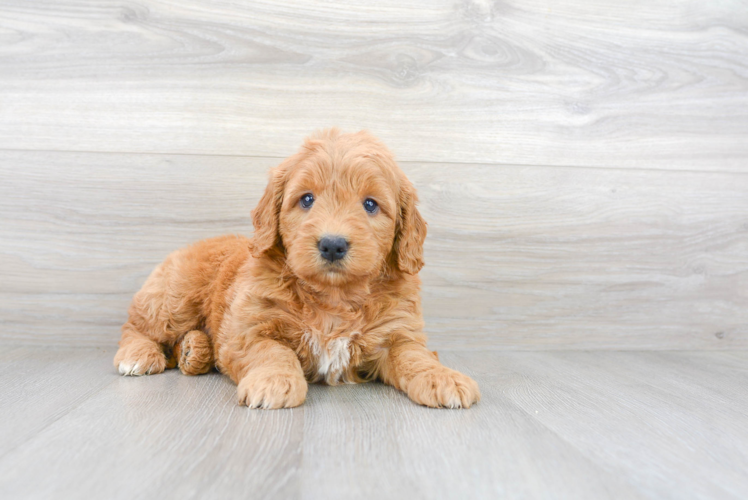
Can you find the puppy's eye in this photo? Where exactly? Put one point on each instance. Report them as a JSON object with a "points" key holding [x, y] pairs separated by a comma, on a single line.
{"points": [[371, 206], [306, 201]]}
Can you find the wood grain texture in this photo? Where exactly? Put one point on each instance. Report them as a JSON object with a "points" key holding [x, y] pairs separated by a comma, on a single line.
{"points": [[660, 84], [577, 425], [516, 257], [614, 406], [372, 442], [29, 402], [184, 437]]}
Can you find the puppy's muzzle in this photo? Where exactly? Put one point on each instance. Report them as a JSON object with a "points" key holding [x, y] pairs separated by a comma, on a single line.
{"points": [[332, 248]]}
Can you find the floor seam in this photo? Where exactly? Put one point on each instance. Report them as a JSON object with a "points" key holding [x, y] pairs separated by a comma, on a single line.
{"points": [[81, 400]]}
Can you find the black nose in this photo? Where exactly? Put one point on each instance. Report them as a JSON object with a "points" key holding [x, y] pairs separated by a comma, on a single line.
{"points": [[333, 248]]}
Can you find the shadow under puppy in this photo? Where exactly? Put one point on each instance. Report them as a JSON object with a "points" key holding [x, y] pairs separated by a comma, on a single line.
{"points": [[326, 290]]}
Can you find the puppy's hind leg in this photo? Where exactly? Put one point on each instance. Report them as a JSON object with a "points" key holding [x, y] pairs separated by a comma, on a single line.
{"points": [[194, 353], [138, 354]]}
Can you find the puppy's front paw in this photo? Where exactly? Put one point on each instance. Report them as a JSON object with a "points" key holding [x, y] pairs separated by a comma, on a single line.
{"points": [[270, 388], [140, 358], [443, 388]]}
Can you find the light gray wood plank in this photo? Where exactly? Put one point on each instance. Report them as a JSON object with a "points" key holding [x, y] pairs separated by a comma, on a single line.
{"points": [[550, 425], [167, 436], [646, 416], [39, 385], [372, 442], [516, 257], [660, 84]]}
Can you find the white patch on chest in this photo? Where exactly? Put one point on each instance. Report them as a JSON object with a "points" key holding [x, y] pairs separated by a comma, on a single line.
{"points": [[332, 357]]}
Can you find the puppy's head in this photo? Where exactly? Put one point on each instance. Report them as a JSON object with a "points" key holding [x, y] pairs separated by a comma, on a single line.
{"points": [[340, 211]]}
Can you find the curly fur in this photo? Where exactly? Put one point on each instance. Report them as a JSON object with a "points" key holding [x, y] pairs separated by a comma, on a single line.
{"points": [[272, 314]]}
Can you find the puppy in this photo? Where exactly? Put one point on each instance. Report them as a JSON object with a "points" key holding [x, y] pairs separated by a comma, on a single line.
{"points": [[327, 290]]}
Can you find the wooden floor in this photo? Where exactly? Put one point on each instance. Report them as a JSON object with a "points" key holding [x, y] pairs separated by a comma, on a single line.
{"points": [[567, 424]]}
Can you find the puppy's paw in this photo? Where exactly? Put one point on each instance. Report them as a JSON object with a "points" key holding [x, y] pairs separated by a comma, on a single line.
{"points": [[443, 388], [140, 358], [194, 353], [271, 388]]}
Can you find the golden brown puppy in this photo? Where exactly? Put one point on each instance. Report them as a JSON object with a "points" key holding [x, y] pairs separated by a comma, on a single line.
{"points": [[327, 290]]}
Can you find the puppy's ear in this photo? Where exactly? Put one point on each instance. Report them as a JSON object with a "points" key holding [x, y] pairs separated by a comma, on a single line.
{"points": [[411, 232], [266, 214]]}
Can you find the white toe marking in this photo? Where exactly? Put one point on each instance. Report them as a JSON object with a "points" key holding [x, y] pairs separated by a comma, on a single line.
{"points": [[455, 402], [128, 369]]}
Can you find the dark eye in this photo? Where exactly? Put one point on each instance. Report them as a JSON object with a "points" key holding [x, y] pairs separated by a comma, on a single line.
{"points": [[370, 206], [306, 201]]}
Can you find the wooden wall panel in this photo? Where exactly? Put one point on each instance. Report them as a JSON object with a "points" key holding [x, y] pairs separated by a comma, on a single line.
{"points": [[656, 84], [517, 257]]}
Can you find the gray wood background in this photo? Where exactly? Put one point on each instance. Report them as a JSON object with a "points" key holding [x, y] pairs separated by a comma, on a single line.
{"points": [[583, 166]]}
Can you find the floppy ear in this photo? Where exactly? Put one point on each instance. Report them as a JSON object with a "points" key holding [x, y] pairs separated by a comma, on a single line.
{"points": [[267, 212], [411, 232]]}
